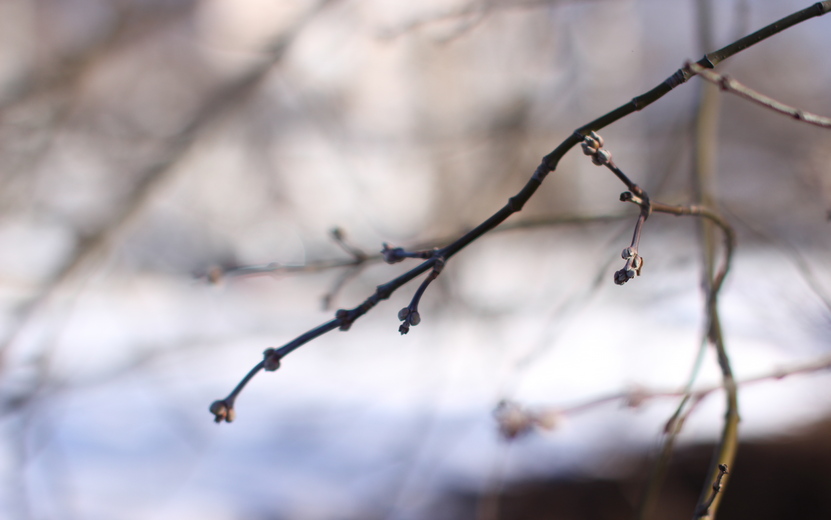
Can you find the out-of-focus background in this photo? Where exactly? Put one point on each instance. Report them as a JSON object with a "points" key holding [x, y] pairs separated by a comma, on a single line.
{"points": [[146, 145]]}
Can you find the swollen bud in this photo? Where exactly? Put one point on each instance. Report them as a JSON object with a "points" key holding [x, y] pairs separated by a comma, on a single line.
{"points": [[222, 412], [271, 361]]}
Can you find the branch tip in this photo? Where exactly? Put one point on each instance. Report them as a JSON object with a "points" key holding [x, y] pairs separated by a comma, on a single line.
{"points": [[632, 268], [223, 411], [410, 316]]}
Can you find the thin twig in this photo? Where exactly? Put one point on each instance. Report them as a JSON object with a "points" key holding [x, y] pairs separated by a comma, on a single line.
{"points": [[215, 274], [593, 146], [705, 160], [468, 15], [339, 237], [717, 219], [344, 278], [705, 507], [517, 419], [728, 84]]}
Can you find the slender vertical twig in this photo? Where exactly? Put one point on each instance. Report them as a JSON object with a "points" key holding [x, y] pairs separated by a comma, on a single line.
{"points": [[705, 168]]}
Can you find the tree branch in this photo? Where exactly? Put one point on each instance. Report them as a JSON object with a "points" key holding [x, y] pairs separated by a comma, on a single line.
{"points": [[509, 413], [729, 84], [344, 318]]}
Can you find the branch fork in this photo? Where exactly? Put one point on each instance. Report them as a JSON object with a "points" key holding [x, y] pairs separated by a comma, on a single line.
{"points": [[409, 314]]}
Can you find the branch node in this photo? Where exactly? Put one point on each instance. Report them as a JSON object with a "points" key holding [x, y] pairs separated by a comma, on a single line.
{"points": [[679, 77], [271, 359], [705, 508], [345, 318], [393, 255], [593, 146], [628, 196]]}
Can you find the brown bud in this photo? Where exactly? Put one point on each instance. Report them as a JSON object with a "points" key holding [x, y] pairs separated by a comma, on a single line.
{"points": [[602, 157], [637, 264], [221, 411]]}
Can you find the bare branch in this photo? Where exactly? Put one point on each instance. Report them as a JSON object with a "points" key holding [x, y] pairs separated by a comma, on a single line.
{"points": [[344, 318], [728, 84], [636, 397]]}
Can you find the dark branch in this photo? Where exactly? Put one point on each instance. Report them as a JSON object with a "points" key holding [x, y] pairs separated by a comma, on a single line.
{"points": [[344, 318], [409, 314]]}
